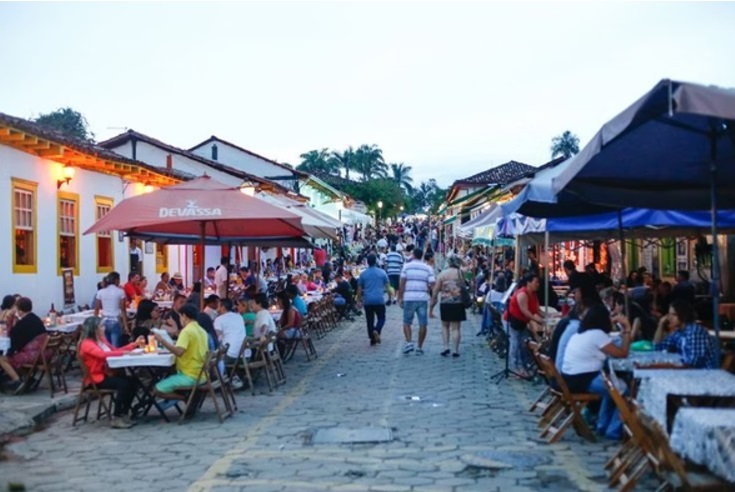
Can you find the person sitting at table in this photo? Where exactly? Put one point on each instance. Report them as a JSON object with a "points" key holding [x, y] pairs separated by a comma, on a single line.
{"points": [[290, 320], [584, 296], [679, 332], [164, 285], [94, 349], [132, 287], [584, 358], [211, 303], [248, 317], [177, 283], [643, 326], [7, 312], [143, 287], [247, 277], [26, 340], [344, 300], [190, 351], [148, 316], [296, 300], [264, 324], [173, 318], [195, 297], [208, 280], [230, 329]]}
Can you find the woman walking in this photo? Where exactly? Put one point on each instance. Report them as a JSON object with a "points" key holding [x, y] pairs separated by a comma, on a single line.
{"points": [[451, 310]]}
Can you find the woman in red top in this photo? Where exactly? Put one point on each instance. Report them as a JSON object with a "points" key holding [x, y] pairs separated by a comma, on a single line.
{"points": [[523, 310], [94, 349]]}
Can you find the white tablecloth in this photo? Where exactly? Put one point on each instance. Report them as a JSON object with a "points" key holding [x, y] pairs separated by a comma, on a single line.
{"points": [[643, 373], [4, 344], [644, 358], [141, 360], [706, 436], [80, 316], [653, 391], [65, 328]]}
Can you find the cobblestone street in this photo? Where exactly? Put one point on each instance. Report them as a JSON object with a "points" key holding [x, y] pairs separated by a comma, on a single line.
{"points": [[448, 427]]}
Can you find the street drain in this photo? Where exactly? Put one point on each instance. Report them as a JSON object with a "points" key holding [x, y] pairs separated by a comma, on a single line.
{"points": [[474, 472], [340, 435], [507, 459]]}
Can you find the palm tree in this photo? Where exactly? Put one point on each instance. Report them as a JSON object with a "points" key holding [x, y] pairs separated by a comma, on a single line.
{"points": [[316, 161], [422, 195], [565, 145], [370, 162], [344, 160], [402, 176]]}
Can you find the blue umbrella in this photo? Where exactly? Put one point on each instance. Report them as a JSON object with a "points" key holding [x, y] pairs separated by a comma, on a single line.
{"points": [[673, 149]]}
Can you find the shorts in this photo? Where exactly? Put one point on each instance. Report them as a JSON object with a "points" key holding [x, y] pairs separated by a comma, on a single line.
{"points": [[421, 308], [452, 312], [395, 281], [291, 333], [175, 382]]}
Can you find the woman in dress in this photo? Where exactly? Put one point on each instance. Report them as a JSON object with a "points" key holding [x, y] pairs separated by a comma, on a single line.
{"points": [[451, 310]]}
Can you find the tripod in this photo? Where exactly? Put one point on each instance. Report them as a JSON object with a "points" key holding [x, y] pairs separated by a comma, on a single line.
{"points": [[505, 373]]}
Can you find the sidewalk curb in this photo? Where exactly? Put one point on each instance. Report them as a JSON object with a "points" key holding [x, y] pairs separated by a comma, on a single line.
{"points": [[25, 425]]}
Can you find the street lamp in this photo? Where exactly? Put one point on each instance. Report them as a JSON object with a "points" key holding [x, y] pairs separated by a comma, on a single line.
{"points": [[380, 208]]}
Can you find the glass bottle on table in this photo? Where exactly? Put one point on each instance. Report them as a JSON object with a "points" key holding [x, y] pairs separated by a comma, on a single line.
{"points": [[52, 315]]}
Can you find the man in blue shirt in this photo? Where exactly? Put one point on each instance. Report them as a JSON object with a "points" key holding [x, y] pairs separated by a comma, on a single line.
{"points": [[296, 300], [371, 286], [686, 337]]}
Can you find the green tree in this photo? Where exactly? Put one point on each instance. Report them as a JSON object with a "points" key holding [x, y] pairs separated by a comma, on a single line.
{"points": [[427, 196], [384, 190], [402, 176], [565, 145], [344, 160], [317, 161], [68, 122], [370, 163]]}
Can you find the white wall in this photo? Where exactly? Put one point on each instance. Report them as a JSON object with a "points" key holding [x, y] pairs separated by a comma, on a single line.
{"points": [[243, 161], [45, 286]]}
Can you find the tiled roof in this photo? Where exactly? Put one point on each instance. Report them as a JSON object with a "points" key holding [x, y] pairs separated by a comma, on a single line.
{"points": [[123, 138], [81, 146], [337, 182], [499, 175], [215, 139]]}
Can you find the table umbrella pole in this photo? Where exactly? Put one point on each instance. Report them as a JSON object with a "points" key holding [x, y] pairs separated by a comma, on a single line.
{"points": [[715, 289], [623, 258], [202, 229], [546, 273]]}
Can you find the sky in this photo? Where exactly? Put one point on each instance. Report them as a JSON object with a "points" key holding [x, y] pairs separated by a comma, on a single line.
{"points": [[451, 89]]}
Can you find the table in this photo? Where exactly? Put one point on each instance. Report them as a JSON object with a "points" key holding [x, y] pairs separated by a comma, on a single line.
{"points": [[69, 327], [724, 335], [644, 373], [156, 366], [4, 344], [645, 359], [654, 393], [706, 436]]}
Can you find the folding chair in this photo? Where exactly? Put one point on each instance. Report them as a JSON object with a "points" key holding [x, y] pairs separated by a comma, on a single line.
{"points": [[631, 461], [273, 355], [571, 406], [672, 470], [52, 363], [546, 398], [30, 372], [199, 392], [89, 393]]}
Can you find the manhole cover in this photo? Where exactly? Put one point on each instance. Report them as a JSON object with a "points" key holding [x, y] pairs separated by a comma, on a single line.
{"points": [[339, 435], [507, 459]]}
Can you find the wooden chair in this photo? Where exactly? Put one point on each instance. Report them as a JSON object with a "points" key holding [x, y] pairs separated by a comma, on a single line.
{"points": [[546, 398], [53, 362], [672, 470], [195, 396], [89, 393], [571, 406], [631, 461], [302, 340], [273, 355], [32, 373]]}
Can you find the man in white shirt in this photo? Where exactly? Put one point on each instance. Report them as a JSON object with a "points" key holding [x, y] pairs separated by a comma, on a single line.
{"points": [[417, 281], [221, 278], [382, 243], [264, 324], [230, 328], [110, 305]]}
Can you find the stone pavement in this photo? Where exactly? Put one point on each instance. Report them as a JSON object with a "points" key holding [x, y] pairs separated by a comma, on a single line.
{"points": [[447, 428]]}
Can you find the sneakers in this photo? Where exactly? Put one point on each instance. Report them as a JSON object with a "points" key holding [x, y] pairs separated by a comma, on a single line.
{"points": [[419, 351], [375, 336], [445, 353], [237, 383], [120, 423], [408, 348], [128, 420]]}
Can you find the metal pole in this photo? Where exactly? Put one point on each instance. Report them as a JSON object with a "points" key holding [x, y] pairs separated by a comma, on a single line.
{"points": [[623, 262], [715, 287], [202, 230], [546, 272]]}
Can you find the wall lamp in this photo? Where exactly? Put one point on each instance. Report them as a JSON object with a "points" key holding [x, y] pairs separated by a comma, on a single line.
{"points": [[147, 188], [67, 172]]}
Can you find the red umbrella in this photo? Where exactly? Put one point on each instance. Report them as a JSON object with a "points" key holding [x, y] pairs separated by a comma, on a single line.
{"points": [[202, 208]]}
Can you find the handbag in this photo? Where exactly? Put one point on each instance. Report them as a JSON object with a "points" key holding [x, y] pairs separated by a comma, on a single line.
{"points": [[464, 292]]}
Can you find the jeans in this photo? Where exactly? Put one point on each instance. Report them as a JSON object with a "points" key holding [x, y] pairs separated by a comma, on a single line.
{"points": [[113, 331], [519, 356], [371, 310], [421, 308], [608, 419], [124, 392]]}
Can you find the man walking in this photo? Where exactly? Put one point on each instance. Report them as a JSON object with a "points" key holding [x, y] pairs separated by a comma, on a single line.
{"points": [[417, 281], [372, 285], [394, 265]]}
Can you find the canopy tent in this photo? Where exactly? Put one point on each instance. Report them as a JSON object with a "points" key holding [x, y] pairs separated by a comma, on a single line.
{"points": [[346, 215], [637, 223], [488, 217], [314, 225], [673, 149]]}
